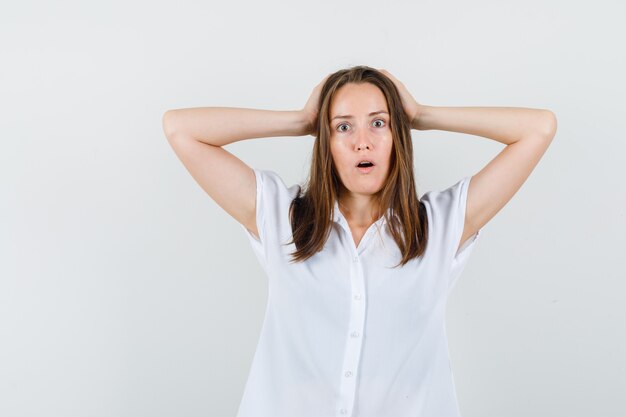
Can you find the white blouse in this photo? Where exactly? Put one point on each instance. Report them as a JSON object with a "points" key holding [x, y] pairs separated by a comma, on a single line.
{"points": [[344, 334]]}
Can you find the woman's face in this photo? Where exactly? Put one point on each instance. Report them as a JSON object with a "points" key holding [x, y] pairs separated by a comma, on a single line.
{"points": [[359, 135]]}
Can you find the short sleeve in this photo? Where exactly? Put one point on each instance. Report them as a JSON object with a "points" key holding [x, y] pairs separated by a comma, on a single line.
{"points": [[273, 198], [447, 220], [257, 243]]}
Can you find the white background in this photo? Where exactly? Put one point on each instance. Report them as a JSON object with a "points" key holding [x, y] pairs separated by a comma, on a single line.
{"points": [[126, 291]]}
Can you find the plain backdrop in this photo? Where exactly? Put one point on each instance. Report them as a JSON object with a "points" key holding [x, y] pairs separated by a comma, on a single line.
{"points": [[126, 291]]}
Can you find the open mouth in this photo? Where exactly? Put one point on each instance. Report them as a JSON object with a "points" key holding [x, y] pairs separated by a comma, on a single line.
{"points": [[365, 166]]}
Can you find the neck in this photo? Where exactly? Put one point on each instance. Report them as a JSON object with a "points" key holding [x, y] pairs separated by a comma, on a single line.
{"points": [[360, 212]]}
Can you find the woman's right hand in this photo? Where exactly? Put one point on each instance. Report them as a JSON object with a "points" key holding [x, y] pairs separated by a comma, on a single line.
{"points": [[310, 111]]}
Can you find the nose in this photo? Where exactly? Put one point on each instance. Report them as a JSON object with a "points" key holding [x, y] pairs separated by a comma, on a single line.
{"points": [[363, 141]]}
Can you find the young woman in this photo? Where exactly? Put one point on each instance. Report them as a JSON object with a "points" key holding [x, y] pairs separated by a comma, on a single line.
{"points": [[359, 268]]}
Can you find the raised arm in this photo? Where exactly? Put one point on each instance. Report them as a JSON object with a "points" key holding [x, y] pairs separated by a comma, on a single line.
{"points": [[197, 136], [527, 133]]}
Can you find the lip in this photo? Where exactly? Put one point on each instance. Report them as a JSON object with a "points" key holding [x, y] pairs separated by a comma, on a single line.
{"points": [[369, 160], [365, 170]]}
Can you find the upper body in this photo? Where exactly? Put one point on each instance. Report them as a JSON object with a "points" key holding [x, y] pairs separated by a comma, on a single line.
{"points": [[343, 332]]}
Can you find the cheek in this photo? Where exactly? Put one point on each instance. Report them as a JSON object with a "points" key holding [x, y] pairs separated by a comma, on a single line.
{"points": [[389, 148], [340, 154]]}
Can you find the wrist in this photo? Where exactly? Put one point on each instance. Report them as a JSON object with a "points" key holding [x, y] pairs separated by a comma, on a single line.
{"points": [[417, 122], [306, 122]]}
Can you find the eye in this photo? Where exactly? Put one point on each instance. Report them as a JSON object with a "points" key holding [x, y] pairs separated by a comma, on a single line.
{"points": [[344, 124], [379, 120]]}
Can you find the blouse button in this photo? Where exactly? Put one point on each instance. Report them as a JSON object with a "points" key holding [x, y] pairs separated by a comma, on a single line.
{"points": [[357, 297], [343, 411], [355, 334], [348, 373], [356, 259]]}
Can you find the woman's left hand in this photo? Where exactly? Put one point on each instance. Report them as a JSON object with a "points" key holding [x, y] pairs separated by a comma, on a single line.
{"points": [[411, 107]]}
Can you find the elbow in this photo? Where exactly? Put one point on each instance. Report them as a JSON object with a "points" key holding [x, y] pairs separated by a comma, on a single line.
{"points": [[167, 123], [549, 124]]}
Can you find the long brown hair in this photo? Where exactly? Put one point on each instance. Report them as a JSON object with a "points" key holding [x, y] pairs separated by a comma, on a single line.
{"points": [[311, 211]]}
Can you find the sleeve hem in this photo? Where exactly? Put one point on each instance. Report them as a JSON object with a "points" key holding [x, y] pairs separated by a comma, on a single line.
{"points": [[258, 243], [462, 253]]}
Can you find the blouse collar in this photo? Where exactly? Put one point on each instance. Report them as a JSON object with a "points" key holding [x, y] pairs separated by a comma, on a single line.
{"points": [[338, 217]]}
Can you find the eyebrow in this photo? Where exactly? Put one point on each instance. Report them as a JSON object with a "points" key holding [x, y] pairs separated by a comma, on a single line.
{"points": [[349, 116]]}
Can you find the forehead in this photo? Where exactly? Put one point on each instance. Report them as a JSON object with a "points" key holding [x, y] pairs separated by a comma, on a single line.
{"points": [[357, 99]]}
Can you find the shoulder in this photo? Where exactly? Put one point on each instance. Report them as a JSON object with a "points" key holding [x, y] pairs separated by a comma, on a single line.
{"points": [[447, 200], [272, 184], [274, 196]]}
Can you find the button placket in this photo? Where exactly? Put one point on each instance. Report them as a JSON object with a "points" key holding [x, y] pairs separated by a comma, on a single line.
{"points": [[353, 349]]}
